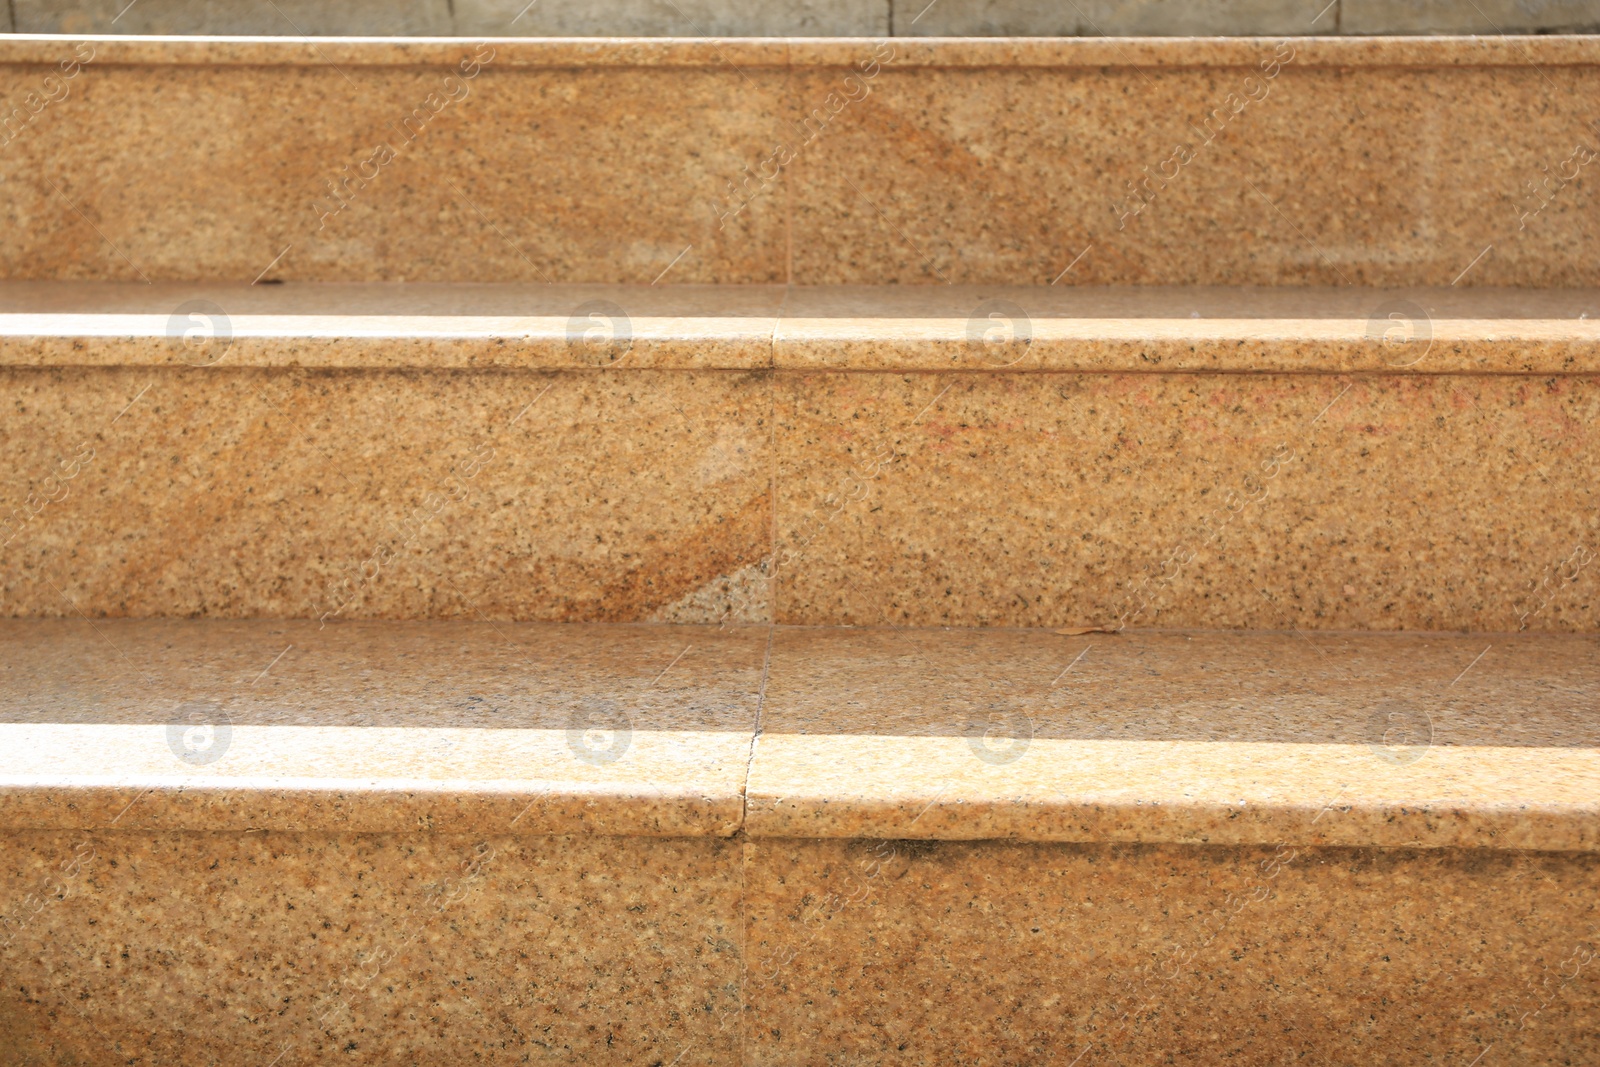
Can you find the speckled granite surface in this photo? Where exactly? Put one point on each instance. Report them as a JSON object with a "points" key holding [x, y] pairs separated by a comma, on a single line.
{"points": [[416, 325], [1251, 161], [1236, 738], [452, 727], [1209, 501], [1205, 738], [1515, 50], [400, 173], [736, 327], [507, 843], [195, 949], [381, 493], [267, 948], [761, 454], [202, 930], [1177, 328], [1103, 956]]}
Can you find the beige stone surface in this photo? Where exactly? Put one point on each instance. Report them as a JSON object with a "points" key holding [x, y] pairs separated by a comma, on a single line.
{"points": [[1500, 50], [904, 953], [1195, 738], [515, 175], [295, 949], [248, 492], [682, 18], [1479, 16], [984, 162], [1162, 328], [379, 324], [878, 327], [453, 727], [1038, 499], [199, 948], [334, 457], [1210, 501], [1113, 18], [1360, 177]]}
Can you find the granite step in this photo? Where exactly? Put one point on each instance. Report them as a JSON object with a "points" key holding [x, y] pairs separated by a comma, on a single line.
{"points": [[1320, 459], [501, 564], [1016, 161], [230, 840]]}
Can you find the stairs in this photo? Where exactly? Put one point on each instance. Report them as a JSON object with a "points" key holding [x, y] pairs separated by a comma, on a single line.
{"points": [[799, 551]]}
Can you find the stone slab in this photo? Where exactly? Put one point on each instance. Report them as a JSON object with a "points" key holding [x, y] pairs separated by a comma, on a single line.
{"points": [[434, 326], [1156, 737], [283, 442], [1500, 50], [1158, 328], [1257, 501], [255, 492], [982, 162], [388, 173], [927, 953], [452, 727], [1434, 741], [961, 176], [815, 18], [293, 949], [418, 325]]}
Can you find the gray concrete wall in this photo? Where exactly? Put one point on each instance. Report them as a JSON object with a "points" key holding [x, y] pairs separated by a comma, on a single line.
{"points": [[386, 18], [1479, 16], [672, 18], [799, 18], [1111, 18]]}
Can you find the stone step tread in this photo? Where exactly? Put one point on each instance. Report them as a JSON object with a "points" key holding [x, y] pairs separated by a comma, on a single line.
{"points": [[1415, 740], [881, 327], [1507, 49]]}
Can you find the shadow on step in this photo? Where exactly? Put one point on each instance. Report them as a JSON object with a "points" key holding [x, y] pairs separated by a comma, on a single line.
{"points": [[1324, 688]]}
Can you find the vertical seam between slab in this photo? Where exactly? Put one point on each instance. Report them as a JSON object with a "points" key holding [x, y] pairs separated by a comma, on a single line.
{"points": [[784, 99], [744, 847], [772, 464], [744, 941], [755, 733]]}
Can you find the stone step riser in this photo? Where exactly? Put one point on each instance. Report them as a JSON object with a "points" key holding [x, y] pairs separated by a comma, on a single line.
{"points": [[1340, 161], [292, 949], [698, 497]]}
